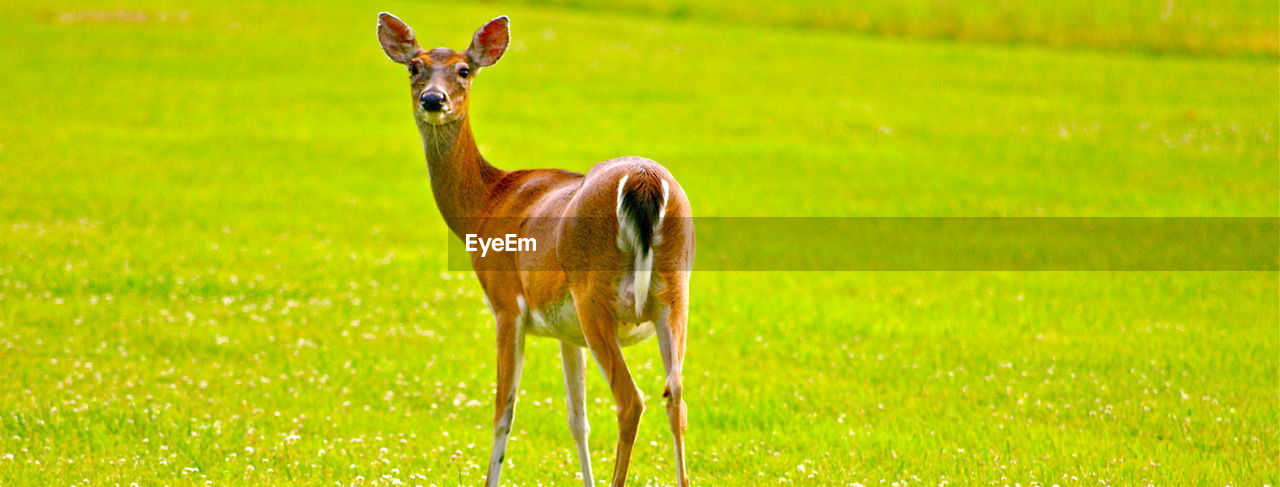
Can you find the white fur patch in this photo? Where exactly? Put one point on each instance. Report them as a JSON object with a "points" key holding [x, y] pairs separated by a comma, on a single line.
{"points": [[558, 320]]}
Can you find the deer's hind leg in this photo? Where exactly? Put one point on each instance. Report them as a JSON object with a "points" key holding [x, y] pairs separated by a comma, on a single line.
{"points": [[599, 327], [669, 327], [575, 384]]}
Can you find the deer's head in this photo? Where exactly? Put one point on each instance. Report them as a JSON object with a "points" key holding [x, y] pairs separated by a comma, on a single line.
{"points": [[440, 78]]}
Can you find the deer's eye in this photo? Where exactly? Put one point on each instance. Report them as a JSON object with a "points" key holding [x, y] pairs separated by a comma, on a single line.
{"points": [[414, 69], [464, 72]]}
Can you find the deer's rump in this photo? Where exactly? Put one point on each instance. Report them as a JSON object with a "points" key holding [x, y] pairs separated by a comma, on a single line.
{"points": [[617, 233]]}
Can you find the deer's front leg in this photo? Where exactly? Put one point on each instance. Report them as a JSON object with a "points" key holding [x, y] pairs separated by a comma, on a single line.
{"points": [[510, 362]]}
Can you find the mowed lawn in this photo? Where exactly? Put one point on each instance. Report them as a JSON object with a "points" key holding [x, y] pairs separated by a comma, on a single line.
{"points": [[220, 260]]}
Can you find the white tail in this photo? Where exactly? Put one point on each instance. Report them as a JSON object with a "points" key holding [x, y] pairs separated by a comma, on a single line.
{"points": [[644, 276], [639, 218]]}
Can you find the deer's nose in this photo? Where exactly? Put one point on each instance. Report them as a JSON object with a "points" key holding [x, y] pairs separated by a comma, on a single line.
{"points": [[432, 101]]}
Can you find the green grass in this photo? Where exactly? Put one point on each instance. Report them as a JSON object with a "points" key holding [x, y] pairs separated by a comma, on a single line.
{"points": [[220, 260], [1212, 27]]}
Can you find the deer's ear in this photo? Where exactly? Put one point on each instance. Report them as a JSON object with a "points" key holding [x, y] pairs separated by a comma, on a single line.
{"points": [[490, 42], [397, 38]]}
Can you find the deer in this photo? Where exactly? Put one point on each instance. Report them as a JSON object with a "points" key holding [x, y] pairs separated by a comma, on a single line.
{"points": [[612, 264]]}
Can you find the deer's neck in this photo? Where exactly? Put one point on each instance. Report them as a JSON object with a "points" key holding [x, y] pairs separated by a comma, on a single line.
{"points": [[461, 180]]}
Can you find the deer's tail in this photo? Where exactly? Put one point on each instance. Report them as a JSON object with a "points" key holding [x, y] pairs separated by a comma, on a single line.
{"points": [[642, 201]]}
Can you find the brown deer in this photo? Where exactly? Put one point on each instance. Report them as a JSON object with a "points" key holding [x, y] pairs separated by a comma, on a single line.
{"points": [[611, 267]]}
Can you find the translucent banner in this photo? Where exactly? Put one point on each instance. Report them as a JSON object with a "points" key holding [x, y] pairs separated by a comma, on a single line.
{"points": [[912, 244]]}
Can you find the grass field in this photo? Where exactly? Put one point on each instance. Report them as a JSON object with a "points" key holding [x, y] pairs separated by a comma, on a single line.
{"points": [[1187, 26], [220, 260]]}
